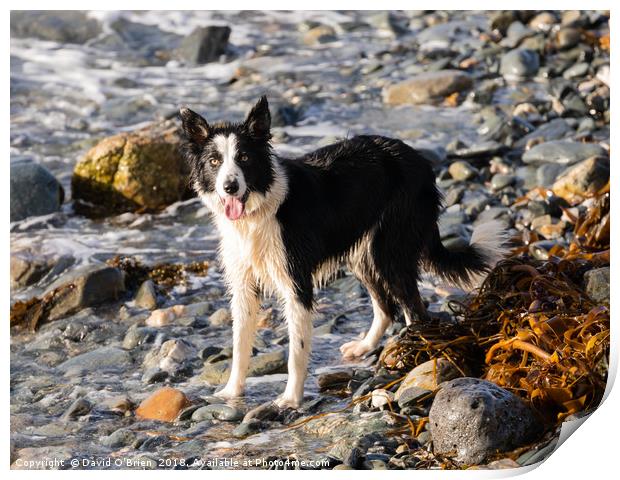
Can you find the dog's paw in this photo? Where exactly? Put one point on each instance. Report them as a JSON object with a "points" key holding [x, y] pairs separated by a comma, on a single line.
{"points": [[355, 349], [229, 392], [285, 401]]}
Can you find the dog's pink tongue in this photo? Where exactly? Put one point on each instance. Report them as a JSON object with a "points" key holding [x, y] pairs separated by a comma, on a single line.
{"points": [[233, 208]]}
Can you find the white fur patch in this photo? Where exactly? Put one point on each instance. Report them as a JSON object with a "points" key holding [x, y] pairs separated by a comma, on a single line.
{"points": [[253, 253], [490, 238], [229, 170]]}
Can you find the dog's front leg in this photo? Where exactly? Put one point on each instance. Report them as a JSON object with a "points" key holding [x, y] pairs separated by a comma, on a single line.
{"points": [[299, 320], [244, 309]]}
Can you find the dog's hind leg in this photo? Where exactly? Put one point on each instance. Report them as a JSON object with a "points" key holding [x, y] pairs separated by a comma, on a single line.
{"points": [[412, 304], [382, 317], [299, 319], [244, 308], [363, 264]]}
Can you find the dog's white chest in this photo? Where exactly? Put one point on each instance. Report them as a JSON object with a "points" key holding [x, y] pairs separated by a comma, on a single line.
{"points": [[257, 251]]}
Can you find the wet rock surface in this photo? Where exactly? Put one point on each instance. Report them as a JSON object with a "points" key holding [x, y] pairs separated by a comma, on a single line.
{"points": [[501, 102], [475, 418], [34, 191], [426, 87], [62, 27], [205, 44], [142, 169]]}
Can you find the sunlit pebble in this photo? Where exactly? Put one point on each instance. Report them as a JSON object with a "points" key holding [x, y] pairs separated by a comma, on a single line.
{"points": [[163, 317], [381, 397]]}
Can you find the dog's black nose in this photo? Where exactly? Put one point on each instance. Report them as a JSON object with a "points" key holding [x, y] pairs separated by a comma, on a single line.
{"points": [[231, 186]]}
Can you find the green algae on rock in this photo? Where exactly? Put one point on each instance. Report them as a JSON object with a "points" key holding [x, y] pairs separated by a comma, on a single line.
{"points": [[140, 170]]}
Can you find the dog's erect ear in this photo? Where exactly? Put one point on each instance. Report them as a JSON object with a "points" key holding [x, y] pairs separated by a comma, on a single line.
{"points": [[258, 121], [195, 127]]}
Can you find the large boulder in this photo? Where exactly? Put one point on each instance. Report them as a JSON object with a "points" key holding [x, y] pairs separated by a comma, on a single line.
{"points": [[142, 170], [585, 178], [472, 419], [427, 87], [29, 266], [204, 44], [34, 191], [67, 26], [84, 287]]}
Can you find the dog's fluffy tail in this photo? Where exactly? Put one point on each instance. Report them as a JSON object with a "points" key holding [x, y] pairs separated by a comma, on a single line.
{"points": [[467, 266]]}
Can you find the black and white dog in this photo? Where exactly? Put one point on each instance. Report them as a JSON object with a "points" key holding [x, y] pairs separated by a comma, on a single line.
{"points": [[288, 225]]}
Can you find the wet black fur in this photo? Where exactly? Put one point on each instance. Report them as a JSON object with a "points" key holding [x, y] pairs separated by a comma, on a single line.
{"points": [[341, 192]]}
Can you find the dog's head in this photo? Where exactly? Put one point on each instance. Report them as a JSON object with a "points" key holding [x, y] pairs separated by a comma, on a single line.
{"points": [[232, 168]]}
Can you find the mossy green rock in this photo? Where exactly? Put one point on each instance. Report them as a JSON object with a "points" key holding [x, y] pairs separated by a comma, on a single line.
{"points": [[140, 170]]}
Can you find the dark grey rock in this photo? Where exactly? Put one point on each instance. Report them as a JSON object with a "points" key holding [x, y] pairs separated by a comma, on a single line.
{"points": [[222, 412], [245, 429], [209, 351], [27, 268], [100, 360], [354, 458], [563, 152], [33, 190], [262, 364], [597, 284], [140, 42], [333, 380], [481, 149], [86, 286], [154, 375], [424, 438], [519, 63], [120, 438], [555, 129], [138, 336], [264, 411], [501, 180], [472, 419], [577, 70], [515, 33], [527, 176], [547, 174], [77, 409], [205, 44], [57, 26], [270, 411], [151, 443], [411, 395], [75, 331]]}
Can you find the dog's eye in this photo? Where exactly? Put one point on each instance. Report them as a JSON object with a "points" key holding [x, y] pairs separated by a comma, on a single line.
{"points": [[243, 157], [214, 162]]}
